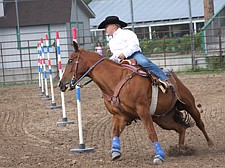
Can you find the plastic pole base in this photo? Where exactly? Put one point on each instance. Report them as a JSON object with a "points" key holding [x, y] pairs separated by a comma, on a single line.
{"points": [[64, 122], [47, 98], [81, 149], [42, 94], [53, 106]]}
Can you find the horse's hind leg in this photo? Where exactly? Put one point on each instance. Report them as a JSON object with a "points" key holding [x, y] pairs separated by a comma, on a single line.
{"points": [[167, 122], [181, 132], [194, 112], [191, 108], [187, 97]]}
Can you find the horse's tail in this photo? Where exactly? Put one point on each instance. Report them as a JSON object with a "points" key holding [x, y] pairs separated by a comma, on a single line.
{"points": [[183, 118]]}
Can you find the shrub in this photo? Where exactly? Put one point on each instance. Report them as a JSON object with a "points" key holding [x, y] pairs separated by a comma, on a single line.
{"points": [[179, 45]]}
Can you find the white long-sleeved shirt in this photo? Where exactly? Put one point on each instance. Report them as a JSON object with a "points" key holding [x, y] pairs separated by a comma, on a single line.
{"points": [[123, 41]]}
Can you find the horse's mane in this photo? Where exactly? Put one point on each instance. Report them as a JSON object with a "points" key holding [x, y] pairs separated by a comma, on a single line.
{"points": [[98, 56]]}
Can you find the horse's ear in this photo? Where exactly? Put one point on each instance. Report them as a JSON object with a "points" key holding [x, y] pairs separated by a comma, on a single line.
{"points": [[75, 46]]}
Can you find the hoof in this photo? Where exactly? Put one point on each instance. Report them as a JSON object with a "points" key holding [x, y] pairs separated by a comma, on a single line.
{"points": [[115, 155], [210, 144], [158, 160]]}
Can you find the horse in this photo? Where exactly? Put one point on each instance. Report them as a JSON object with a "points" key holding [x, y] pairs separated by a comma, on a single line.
{"points": [[129, 96]]}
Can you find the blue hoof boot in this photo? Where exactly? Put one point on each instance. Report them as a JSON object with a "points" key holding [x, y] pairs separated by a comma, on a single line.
{"points": [[160, 155], [116, 148]]}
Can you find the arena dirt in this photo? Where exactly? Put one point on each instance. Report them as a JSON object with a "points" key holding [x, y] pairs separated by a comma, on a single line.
{"points": [[29, 137]]}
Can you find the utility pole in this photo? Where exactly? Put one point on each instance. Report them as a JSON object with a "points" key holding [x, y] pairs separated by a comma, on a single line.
{"points": [[18, 32], [191, 35], [132, 14], [208, 10]]}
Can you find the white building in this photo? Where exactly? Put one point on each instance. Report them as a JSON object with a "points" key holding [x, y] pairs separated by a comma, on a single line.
{"points": [[151, 16], [24, 23]]}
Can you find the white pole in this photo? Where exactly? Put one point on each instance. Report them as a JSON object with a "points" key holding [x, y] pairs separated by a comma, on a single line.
{"points": [[50, 75], [81, 139], [44, 68], [79, 114], [39, 67], [64, 120], [41, 71], [74, 32], [60, 73]]}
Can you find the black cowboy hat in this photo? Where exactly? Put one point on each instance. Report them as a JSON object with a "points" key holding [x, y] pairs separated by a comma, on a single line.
{"points": [[111, 20]]}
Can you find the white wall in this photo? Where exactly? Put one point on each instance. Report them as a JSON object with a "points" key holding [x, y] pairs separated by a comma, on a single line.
{"points": [[1, 8], [30, 36], [83, 27]]}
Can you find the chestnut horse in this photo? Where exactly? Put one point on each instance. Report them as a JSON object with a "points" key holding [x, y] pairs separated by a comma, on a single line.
{"points": [[128, 96]]}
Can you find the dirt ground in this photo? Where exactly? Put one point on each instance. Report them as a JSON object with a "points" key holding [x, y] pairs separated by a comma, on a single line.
{"points": [[30, 138]]}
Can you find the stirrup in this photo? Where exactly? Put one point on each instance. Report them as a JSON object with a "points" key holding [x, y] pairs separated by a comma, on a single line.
{"points": [[165, 84]]}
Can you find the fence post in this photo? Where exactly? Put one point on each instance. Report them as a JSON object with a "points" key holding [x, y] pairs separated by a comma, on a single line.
{"points": [[56, 59], [164, 51], [3, 71], [31, 76], [220, 47]]}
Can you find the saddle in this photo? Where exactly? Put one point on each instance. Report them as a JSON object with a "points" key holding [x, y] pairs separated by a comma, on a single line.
{"points": [[137, 69], [132, 65]]}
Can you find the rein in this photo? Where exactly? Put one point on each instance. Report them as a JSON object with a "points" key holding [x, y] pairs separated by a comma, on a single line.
{"points": [[73, 84], [84, 83]]}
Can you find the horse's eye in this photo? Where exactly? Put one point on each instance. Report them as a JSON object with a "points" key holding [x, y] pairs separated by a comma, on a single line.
{"points": [[70, 61]]}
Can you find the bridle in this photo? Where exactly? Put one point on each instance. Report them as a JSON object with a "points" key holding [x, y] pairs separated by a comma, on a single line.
{"points": [[74, 81], [76, 67]]}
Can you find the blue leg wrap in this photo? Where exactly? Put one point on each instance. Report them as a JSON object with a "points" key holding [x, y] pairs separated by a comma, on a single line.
{"points": [[116, 144], [158, 150]]}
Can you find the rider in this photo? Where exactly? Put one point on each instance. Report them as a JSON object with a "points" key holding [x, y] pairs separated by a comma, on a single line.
{"points": [[124, 44]]}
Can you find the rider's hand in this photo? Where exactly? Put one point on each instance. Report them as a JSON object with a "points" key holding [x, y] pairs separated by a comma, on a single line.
{"points": [[121, 56]]}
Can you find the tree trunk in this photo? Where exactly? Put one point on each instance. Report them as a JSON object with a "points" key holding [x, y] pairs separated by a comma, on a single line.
{"points": [[208, 9]]}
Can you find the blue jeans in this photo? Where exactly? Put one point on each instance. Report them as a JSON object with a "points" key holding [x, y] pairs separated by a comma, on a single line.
{"points": [[149, 65]]}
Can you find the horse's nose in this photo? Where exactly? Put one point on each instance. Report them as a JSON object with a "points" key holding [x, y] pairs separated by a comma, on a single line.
{"points": [[60, 85]]}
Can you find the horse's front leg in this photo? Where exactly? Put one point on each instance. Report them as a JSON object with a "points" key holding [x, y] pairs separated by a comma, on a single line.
{"points": [[147, 120], [118, 126]]}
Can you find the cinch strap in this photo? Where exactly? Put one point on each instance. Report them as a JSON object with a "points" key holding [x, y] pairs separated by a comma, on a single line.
{"points": [[154, 101]]}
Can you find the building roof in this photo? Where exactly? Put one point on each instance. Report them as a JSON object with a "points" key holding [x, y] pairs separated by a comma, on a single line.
{"points": [[148, 10], [40, 12]]}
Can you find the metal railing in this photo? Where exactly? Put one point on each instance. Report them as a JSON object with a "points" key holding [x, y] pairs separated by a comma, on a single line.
{"points": [[20, 64]]}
